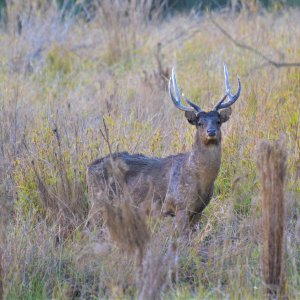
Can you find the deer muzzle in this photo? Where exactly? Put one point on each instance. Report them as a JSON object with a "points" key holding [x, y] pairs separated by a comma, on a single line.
{"points": [[211, 133]]}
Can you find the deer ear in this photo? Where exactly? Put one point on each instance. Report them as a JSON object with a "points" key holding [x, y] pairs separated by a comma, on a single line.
{"points": [[191, 117], [225, 114]]}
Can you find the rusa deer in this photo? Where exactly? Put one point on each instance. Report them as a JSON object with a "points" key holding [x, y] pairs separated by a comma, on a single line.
{"points": [[180, 185]]}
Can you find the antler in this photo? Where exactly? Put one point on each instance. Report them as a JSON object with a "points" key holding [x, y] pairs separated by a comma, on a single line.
{"points": [[232, 98], [176, 99]]}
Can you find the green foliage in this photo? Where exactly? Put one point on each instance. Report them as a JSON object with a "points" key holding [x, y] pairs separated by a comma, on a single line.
{"points": [[59, 66], [34, 291]]}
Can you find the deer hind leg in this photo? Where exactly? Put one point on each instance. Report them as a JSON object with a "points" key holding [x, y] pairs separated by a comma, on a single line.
{"points": [[194, 219], [182, 223], [99, 192], [150, 200], [175, 208], [96, 196], [106, 181]]}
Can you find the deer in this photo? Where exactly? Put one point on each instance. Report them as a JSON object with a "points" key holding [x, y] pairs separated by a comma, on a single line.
{"points": [[179, 185]]}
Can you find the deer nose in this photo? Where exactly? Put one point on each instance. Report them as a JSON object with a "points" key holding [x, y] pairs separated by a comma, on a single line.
{"points": [[211, 132]]}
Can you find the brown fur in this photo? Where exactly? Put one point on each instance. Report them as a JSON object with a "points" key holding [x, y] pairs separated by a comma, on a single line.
{"points": [[180, 185]]}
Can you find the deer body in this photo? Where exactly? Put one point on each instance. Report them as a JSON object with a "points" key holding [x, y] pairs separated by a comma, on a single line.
{"points": [[179, 185], [182, 181]]}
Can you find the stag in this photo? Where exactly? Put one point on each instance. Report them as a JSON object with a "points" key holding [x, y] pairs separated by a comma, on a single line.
{"points": [[179, 185]]}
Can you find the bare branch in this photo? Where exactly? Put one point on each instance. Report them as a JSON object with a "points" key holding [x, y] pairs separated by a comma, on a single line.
{"points": [[276, 64]]}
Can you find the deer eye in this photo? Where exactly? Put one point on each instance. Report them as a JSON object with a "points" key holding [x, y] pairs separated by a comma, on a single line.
{"points": [[200, 124], [219, 122]]}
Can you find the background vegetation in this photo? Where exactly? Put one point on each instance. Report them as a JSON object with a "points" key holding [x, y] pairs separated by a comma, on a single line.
{"points": [[60, 76]]}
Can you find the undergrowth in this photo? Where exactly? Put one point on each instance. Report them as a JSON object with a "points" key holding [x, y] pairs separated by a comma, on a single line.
{"points": [[59, 81]]}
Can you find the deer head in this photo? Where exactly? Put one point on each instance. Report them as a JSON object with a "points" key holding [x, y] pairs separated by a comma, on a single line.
{"points": [[208, 124]]}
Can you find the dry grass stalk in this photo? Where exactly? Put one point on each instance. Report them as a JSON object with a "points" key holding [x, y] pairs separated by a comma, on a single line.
{"points": [[157, 269], [124, 25], [159, 78], [272, 168], [127, 228]]}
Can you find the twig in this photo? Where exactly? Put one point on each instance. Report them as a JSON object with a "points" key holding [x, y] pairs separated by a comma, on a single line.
{"points": [[105, 136], [276, 64], [61, 164]]}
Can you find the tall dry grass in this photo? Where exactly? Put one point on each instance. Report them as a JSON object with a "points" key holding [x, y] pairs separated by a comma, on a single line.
{"points": [[128, 228], [272, 167], [157, 272], [125, 26], [50, 130]]}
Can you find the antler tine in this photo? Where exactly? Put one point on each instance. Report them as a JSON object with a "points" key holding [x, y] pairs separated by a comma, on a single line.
{"points": [[176, 99], [217, 106], [232, 98], [195, 106], [173, 87]]}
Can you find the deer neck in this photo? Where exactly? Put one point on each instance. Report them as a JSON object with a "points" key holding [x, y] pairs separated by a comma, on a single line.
{"points": [[205, 161]]}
